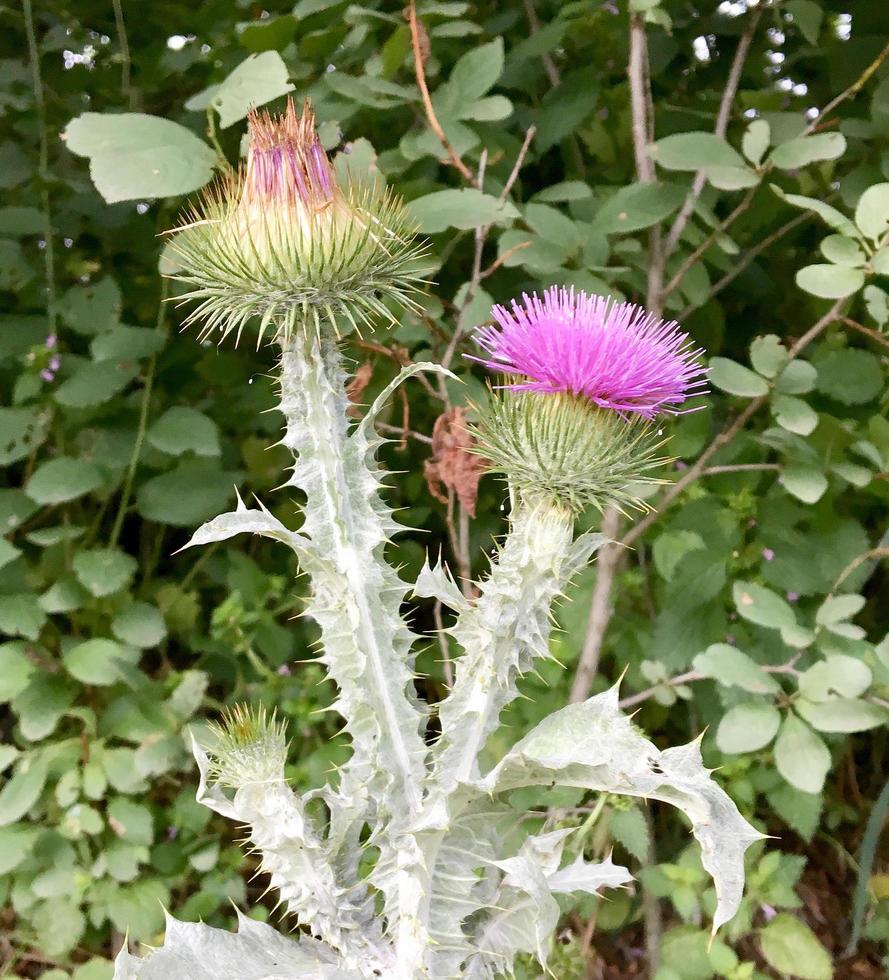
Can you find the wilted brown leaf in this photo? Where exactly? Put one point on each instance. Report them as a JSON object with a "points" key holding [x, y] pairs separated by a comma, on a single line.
{"points": [[452, 464], [355, 388]]}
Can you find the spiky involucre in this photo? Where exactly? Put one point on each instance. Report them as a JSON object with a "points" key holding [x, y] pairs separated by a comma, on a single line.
{"points": [[564, 448], [250, 747], [282, 244]]}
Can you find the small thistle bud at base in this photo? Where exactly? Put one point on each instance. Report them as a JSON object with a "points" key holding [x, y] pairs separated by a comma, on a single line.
{"points": [[564, 448], [285, 244], [250, 747]]}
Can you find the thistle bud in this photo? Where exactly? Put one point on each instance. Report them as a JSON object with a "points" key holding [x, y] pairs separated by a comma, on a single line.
{"points": [[250, 747], [576, 419], [285, 243]]}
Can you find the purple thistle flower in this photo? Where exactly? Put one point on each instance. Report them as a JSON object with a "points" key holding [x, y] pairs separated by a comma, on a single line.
{"points": [[617, 355]]}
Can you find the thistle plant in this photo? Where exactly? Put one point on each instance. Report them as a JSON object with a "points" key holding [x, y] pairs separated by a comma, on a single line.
{"points": [[410, 863]]}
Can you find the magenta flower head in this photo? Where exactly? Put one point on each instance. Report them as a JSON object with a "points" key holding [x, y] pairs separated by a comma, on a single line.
{"points": [[587, 378], [616, 355]]}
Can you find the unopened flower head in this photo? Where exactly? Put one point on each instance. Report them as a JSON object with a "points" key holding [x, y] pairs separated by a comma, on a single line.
{"points": [[287, 243], [616, 355], [250, 747], [576, 417]]}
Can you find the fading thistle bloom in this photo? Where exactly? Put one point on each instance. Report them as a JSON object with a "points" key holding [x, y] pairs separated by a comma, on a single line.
{"points": [[286, 242], [576, 417]]}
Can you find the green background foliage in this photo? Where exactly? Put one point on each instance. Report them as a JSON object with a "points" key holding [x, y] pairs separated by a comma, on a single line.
{"points": [[752, 603]]}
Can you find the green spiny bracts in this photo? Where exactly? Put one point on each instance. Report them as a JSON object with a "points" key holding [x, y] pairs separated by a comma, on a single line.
{"points": [[284, 244], [250, 747], [563, 447]]}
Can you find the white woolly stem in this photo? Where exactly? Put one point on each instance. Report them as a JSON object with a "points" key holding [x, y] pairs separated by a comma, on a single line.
{"points": [[503, 633], [356, 598]]}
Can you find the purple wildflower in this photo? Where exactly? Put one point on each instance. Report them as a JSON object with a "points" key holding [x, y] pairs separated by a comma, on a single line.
{"points": [[617, 355], [768, 554]]}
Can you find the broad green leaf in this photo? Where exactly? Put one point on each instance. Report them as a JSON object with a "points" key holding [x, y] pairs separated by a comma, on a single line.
{"points": [[837, 674], [272, 34], [843, 714], [789, 946], [91, 309], [22, 430], [21, 221], [64, 595], [850, 376], [187, 495], [829, 214], [842, 251], [806, 483], [140, 625], [638, 206], [747, 727], [95, 661], [671, 547], [104, 571], [567, 190], [23, 790], [476, 71], [756, 141], [880, 262], [794, 414], [133, 155], [804, 150], [126, 343], [552, 225], [131, 821], [565, 108], [465, 208], [61, 479], [768, 355], [762, 606], [181, 429], [257, 80], [732, 667], [798, 378], [736, 379], [807, 16], [800, 755], [21, 615], [15, 669], [40, 706], [60, 924], [829, 281], [872, 211], [731, 178], [95, 382], [629, 828], [877, 301], [694, 151], [837, 608]]}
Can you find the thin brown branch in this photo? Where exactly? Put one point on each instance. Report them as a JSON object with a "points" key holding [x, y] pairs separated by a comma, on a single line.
{"points": [[850, 92], [495, 265], [722, 121], [517, 166], [726, 436], [740, 468], [692, 676], [607, 561], [741, 264], [431, 117], [874, 335], [726, 223], [856, 563], [549, 66], [398, 430], [400, 356]]}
